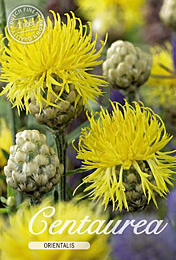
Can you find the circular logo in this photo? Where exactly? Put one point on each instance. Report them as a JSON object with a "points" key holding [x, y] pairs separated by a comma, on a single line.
{"points": [[26, 24]]}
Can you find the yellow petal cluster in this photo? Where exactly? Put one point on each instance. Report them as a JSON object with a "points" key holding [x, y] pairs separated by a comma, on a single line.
{"points": [[63, 56], [122, 140], [5, 141], [14, 238], [162, 82], [125, 13]]}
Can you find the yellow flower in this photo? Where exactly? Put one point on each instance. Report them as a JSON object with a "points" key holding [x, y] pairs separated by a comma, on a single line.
{"points": [[116, 146], [63, 56], [163, 77], [15, 238], [5, 141], [109, 13]]}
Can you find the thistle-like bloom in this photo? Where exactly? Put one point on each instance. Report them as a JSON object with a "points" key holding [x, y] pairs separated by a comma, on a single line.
{"points": [[163, 76], [108, 13], [61, 57], [18, 236], [124, 151]]}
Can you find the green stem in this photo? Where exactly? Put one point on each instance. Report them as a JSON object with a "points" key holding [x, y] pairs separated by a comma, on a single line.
{"points": [[132, 95], [17, 194], [10, 191], [3, 16], [166, 68], [14, 128], [163, 76], [61, 149]]}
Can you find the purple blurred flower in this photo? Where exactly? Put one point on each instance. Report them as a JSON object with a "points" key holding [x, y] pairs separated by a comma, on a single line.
{"points": [[171, 205], [61, 7], [115, 95], [129, 246], [74, 163], [174, 51]]}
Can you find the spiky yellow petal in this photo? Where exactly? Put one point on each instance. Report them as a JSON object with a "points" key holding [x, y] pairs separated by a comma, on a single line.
{"points": [[62, 56], [113, 12], [5, 141], [161, 85], [116, 144], [15, 237]]}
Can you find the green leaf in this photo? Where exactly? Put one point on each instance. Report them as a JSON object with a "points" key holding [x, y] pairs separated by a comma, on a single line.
{"points": [[2, 16], [6, 154], [79, 170]]}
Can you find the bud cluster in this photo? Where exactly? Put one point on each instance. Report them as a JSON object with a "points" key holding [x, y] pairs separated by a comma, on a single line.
{"points": [[126, 65], [33, 167], [64, 111], [135, 196]]}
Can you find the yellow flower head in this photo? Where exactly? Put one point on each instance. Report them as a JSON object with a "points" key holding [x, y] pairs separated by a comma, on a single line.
{"points": [[5, 141], [61, 57], [116, 145], [163, 77], [14, 239], [113, 12]]}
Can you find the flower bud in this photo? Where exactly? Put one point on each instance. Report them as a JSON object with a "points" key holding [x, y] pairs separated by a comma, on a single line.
{"points": [[19, 141], [11, 164], [26, 135], [126, 65], [20, 157], [36, 136], [61, 115], [44, 149], [33, 167], [13, 148], [133, 188], [168, 14], [28, 147]]}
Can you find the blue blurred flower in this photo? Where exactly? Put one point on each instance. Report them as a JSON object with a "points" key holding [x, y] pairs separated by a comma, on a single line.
{"points": [[129, 246]]}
